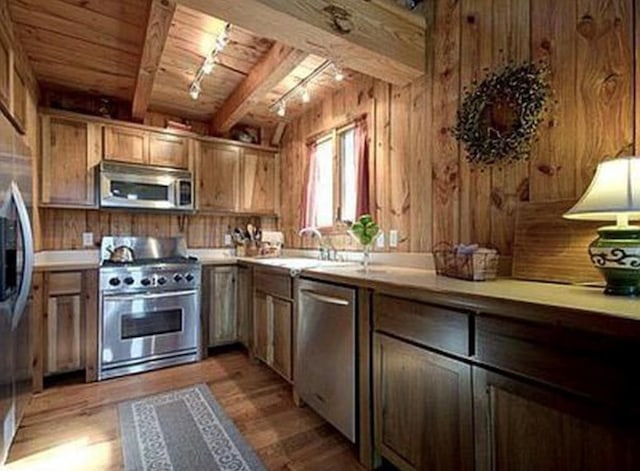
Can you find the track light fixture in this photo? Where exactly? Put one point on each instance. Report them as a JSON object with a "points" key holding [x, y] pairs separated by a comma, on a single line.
{"points": [[281, 108], [209, 62], [302, 87]]}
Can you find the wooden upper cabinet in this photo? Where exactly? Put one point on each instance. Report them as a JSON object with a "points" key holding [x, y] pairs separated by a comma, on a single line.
{"points": [[259, 184], [124, 144], [19, 100], [6, 69], [166, 150], [218, 175], [71, 150]]}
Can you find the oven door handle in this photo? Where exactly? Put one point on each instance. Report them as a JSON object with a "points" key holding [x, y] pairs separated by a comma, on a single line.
{"points": [[136, 297]]}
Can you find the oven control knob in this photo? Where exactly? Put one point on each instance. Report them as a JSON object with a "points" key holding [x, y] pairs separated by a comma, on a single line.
{"points": [[189, 277], [145, 281], [177, 278], [129, 281], [162, 280], [114, 281]]}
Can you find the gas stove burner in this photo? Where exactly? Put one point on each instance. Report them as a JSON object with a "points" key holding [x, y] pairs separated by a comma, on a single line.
{"points": [[151, 261]]}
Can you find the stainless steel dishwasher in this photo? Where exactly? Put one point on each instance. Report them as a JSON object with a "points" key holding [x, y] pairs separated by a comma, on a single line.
{"points": [[325, 352]]}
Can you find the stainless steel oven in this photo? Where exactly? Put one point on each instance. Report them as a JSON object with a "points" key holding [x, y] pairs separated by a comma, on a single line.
{"points": [[148, 327], [149, 307], [143, 187]]}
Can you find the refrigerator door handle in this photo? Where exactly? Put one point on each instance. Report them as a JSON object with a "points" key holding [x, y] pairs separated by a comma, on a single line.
{"points": [[29, 255]]}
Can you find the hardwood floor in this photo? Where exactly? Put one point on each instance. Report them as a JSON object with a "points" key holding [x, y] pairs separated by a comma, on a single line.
{"points": [[75, 427]]}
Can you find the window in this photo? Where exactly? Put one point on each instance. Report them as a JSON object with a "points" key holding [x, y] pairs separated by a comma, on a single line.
{"points": [[337, 186]]}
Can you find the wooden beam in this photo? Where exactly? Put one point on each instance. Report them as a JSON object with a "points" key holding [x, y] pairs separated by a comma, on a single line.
{"points": [[266, 74], [369, 37], [278, 133], [160, 17]]}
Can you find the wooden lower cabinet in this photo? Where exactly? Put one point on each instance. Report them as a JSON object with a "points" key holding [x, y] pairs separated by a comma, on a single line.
{"points": [[422, 407], [281, 360], [65, 324], [273, 332], [244, 308], [261, 326], [64, 334], [522, 427], [220, 292]]}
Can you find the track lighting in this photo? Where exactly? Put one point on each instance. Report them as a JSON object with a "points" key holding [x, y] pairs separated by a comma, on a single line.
{"points": [[209, 62], [302, 87], [281, 108], [194, 90], [304, 94], [208, 65]]}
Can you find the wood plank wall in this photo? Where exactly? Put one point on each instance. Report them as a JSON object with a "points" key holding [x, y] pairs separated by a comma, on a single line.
{"points": [[62, 228], [423, 185]]}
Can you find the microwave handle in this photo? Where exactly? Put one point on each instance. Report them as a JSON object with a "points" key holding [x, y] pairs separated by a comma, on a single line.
{"points": [[28, 254]]}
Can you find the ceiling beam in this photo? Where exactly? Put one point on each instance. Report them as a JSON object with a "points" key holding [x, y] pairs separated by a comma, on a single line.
{"points": [[367, 36], [160, 16], [277, 63]]}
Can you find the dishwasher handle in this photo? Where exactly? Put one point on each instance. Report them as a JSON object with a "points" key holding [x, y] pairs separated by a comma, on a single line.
{"points": [[323, 298]]}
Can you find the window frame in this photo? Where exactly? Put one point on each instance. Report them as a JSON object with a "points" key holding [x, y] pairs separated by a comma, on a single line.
{"points": [[337, 174]]}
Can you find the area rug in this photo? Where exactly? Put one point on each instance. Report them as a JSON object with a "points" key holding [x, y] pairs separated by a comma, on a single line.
{"points": [[185, 429]]}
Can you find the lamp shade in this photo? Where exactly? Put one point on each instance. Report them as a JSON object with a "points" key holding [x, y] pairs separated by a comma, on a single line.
{"points": [[614, 190]]}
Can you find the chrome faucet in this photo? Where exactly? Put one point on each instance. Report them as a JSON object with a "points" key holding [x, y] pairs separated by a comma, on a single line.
{"points": [[327, 251]]}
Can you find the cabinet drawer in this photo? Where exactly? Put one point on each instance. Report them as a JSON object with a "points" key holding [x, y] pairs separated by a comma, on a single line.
{"points": [[586, 363], [429, 325], [65, 283], [273, 282]]}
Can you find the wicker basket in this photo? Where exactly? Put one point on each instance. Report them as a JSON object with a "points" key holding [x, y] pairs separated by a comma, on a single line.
{"points": [[481, 265]]}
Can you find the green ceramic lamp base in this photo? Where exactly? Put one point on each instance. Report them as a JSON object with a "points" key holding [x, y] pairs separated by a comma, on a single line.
{"points": [[616, 253]]}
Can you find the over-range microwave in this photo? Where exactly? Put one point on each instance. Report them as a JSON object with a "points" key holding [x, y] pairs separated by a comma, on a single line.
{"points": [[143, 187]]}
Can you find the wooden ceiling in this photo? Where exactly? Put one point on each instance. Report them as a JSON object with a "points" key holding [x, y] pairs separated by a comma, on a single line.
{"points": [[88, 45], [96, 46]]}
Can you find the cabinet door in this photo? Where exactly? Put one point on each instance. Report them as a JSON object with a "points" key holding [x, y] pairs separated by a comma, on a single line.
{"points": [[166, 150], [218, 177], [70, 152], [520, 427], [5, 72], [261, 323], [282, 334], [19, 100], [64, 334], [244, 306], [259, 184], [127, 145], [222, 306], [422, 406]]}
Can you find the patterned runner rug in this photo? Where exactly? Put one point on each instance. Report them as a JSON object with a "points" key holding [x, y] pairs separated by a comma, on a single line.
{"points": [[185, 429]]}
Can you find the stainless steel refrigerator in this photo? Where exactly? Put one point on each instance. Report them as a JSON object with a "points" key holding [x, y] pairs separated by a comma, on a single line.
{"points": [[16, 270]]}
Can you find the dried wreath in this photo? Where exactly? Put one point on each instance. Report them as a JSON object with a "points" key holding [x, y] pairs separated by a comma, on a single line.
{"points": [[498, 120]]}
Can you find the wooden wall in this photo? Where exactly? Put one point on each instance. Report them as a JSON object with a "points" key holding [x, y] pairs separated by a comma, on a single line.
{"points": [[423, 185], [62, 228]]}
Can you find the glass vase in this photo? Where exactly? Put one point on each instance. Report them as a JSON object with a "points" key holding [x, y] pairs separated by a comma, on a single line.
{"points": [[366, 257]]}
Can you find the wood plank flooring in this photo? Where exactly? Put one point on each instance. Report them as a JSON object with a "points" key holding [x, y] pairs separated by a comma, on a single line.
{"points": [[75, 427]]}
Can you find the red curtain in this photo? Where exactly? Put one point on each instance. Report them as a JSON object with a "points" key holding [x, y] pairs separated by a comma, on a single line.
{"points": [[308, 206], [362, 150]]}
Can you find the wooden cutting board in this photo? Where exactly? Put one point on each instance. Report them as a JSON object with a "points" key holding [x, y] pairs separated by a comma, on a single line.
{"points": [[550, 248]]}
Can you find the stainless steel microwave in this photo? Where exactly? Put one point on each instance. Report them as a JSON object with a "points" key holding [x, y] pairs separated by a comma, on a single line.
{"points": [[142, 187]]}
